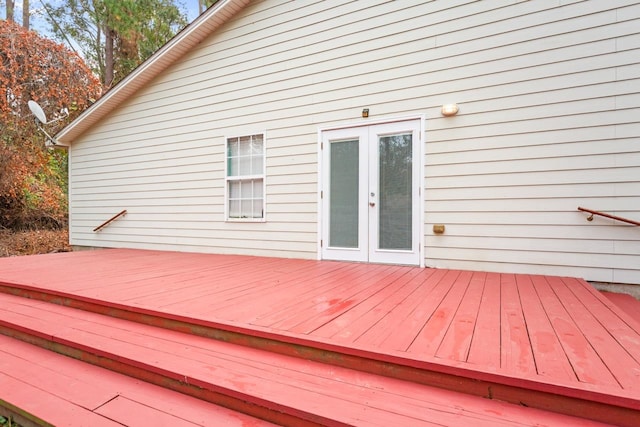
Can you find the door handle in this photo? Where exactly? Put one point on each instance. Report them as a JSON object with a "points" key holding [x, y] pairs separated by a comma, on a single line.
{"points": [[372, 204]]}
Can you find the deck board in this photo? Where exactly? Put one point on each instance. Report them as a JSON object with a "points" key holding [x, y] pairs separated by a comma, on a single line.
{"points": [[485, 341], [349, 301], [61, 384], [516, 351], [35, 400], [392, 323], [589, 368], [308, 301], [350, 325], [622, 366], [408, 329], [274, 293], [547, 350], [624, 304], [529, 327], [457, 340], [432, 333]]}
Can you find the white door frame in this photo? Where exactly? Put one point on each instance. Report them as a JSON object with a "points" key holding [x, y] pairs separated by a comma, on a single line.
{"points": [[323, 171]]}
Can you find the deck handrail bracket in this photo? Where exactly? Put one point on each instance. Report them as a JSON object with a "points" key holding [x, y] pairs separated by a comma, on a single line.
{"points": [[110, 220]]}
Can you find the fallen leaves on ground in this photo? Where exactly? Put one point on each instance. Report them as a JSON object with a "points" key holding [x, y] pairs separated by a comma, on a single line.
{"points": [[14, 243]]}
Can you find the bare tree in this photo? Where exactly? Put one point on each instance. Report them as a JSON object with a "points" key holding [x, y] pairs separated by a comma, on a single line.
{"points": [[10, 7], [25, 14]]}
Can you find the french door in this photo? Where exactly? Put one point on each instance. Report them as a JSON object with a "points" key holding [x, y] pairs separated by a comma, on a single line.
{"points": [[371, 193]]}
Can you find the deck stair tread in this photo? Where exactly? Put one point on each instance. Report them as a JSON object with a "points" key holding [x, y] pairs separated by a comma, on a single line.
{"points": [[46, 387], [626, 303], [256, 381]]}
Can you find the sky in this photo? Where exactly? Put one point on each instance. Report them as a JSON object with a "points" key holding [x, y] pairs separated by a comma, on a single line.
{"points": [[39, 23]]}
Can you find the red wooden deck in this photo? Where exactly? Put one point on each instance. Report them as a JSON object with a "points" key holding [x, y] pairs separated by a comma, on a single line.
{"points": [[549, 342]]}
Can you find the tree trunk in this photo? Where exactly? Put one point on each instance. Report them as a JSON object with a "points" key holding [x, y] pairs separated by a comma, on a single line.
{"points": [[108, 57], [25, 14], [10, 5]]}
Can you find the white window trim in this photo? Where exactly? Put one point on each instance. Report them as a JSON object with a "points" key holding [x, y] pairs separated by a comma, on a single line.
{"points": [[262, 176]]}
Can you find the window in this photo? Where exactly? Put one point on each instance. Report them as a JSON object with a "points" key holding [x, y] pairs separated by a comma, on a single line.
{"points": [[245, 177]]}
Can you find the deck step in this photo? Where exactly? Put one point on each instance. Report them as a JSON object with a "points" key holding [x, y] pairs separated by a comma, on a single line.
{"points": [[41, 387], [626, 303], [273, 387]]}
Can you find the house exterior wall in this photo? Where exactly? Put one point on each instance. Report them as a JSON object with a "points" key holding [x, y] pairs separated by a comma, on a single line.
{"points": [[549, 96]]}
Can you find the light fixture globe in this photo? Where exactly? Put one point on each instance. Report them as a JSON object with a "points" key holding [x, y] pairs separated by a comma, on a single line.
{"points": [[449, 110]]}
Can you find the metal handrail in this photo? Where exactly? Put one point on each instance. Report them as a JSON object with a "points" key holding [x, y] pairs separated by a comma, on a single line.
{"points": [[110, 220], [606, 215]]}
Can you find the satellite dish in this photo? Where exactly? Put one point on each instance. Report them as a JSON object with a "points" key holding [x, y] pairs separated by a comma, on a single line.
{"points": [[37, 111], [41, 117]]}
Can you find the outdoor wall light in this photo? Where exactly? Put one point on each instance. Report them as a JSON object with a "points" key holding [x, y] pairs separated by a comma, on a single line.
{"points": [[365, 113], [449, 110]]}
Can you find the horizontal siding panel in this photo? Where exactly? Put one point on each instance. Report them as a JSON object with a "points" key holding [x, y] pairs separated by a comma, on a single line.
{"points": [[568, 163], [220, 237], [583, 191], [588, 232], [94, 181], [291, 188], [150, 202], [544, 245], [195, 222], [546, 258], [536, 24], [171, 144], [550, 150], [521, 218], [151, 155], [214, 187], [623, 276], [523, 204], [571, 111], [630, 246], [153, 189], [110, 210], [87, 219], [180, 240], [595, 274], [603, 118], [549, 137], [202, 247], [538, 178], [208, 162]]}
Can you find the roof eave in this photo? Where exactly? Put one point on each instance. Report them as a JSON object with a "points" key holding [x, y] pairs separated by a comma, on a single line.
{"points": [[178, 46]]}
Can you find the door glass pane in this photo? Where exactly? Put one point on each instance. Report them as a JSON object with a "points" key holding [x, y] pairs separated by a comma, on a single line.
{"points": [[394, 186], [343, 194]]}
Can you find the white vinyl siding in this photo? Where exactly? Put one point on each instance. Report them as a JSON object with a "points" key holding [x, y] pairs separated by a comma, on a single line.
{"points": [[549, 96]]}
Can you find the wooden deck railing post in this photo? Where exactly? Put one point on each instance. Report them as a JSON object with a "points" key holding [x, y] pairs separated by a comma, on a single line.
{"points": [[110, 220]]}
